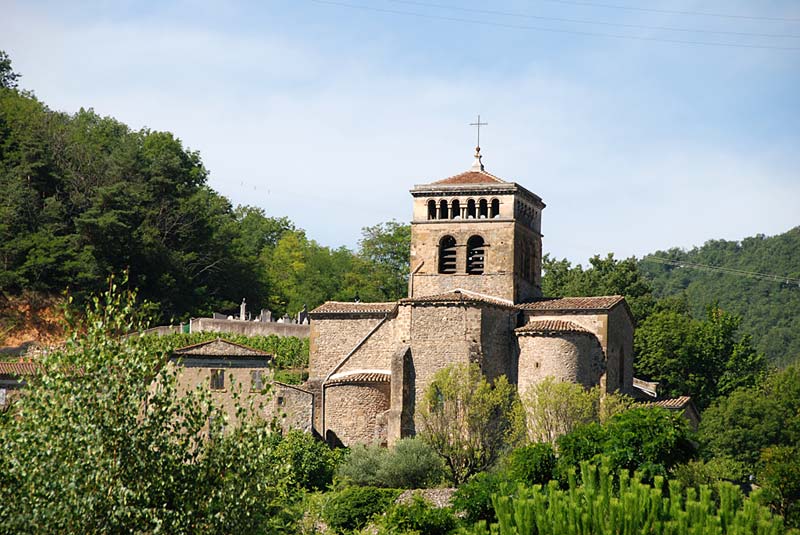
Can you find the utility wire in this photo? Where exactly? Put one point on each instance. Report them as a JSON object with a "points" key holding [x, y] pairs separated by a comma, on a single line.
{"points": [[552, 30], [720, 269], [672, 11], [592, 22]]}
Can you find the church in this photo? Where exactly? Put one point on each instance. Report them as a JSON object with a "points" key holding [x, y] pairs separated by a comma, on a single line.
{"points": [[474, 296]]}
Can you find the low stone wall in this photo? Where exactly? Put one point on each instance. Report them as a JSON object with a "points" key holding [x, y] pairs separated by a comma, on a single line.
{"points": [[250, 328]]}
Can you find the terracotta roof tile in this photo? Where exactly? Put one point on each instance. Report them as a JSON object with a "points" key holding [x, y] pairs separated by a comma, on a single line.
{"points": [[551, 326], [471, 177], [365, 377], [460, 296], [342, 307], [671, 403], [18, 368], [605, 302]]}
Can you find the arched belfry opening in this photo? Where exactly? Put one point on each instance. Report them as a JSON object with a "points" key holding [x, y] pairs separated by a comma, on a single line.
{"points": [[431, 209], [476, 255], [443, 209], [471, 212], [483, 209], [447, 255], [455, 212], [495, 211]]}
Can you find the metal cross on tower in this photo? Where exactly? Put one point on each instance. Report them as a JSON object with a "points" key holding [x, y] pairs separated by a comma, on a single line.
{"points": [[479, 124]]}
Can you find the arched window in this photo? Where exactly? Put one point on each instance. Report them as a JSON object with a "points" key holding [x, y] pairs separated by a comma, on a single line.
{"points": [[471, 209], [447, 255], [495, 208], [442, 209], [431, 209], [483, 209], [455, 212], [475, 255]]}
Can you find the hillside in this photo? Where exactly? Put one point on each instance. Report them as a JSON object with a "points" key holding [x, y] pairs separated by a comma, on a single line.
{"points": [[770, 310]]}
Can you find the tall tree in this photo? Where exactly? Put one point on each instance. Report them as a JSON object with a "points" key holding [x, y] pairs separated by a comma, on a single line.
{"points": [[8, 78]]}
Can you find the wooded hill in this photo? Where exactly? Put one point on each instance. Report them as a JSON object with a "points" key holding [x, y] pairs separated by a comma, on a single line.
{"points": [[770, 309]]}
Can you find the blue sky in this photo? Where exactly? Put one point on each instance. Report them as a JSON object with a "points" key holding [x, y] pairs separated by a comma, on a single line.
{"points": [[329, 113]]}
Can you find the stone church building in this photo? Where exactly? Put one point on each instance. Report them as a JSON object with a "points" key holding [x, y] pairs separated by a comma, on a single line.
{"points": [[474, 296]]}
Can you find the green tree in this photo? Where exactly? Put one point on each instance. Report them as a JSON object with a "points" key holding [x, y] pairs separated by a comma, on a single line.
{"points": [[8, 78], [742, 424], [386, 248], [101, 442], [779, 476], [468, 421], [701, 358], [604, 276]]}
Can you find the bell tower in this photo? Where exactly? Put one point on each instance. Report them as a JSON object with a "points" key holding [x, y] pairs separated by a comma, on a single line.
{"points": [[474, 231]]}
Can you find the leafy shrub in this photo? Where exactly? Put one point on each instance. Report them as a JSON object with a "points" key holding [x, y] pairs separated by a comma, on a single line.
{"points": [[352, 507], [582, 444], [603, 505], [532, 464], [311, 462], [410, 464], [474, 498], [698, 472], [291, 377], [418, 517]]}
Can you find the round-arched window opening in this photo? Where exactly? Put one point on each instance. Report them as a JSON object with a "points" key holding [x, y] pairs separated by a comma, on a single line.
{"points": [[431, 209], [471, 213], [495, 208], [443, 209], [483, 209], [476, 255], [447, 254], [455, 212]]}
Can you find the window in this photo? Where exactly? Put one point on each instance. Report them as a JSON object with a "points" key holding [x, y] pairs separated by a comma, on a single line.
{"points": [[217, 379], [281, 401], [455, 213], [495, 208], [431, 209], [475, 255], [256, 381], [483, 209], [447, 255], [442, 209], [471, 209]]}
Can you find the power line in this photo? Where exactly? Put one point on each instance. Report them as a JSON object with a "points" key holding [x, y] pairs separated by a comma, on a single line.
{"points": [[552, 30], [673, 11], [720, 269], [592, 22]]}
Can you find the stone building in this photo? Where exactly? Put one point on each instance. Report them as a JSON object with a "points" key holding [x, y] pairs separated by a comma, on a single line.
{"points": [[474, 296], [229, 369]]}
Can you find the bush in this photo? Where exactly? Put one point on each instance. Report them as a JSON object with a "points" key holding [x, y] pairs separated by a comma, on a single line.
{"points": [[532, 464], [410, 464], [418, 517], [352, 507], [474, 498], [311, 462], [603, 504]]}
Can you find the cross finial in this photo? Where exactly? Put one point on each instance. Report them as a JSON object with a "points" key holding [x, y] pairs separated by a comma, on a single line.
{"points": [[478, 164], [478, 125]]}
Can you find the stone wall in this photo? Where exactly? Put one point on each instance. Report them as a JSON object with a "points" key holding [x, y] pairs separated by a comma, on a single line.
{"points": [[332, 339], [498, 277], [498, 343], [249, 328], [292, 406], [620, 351], [572, 357], [236, 379], [376, 352], [442, 335], [356, 413]]}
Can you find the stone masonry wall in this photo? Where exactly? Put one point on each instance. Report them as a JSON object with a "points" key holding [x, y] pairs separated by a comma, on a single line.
{"points": [[498, 343], [249, 328], [332, 339], [569, 357], [498, 277], [620, 351], [292, 406], [376, 353], [356, 413], [235, 378]]}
